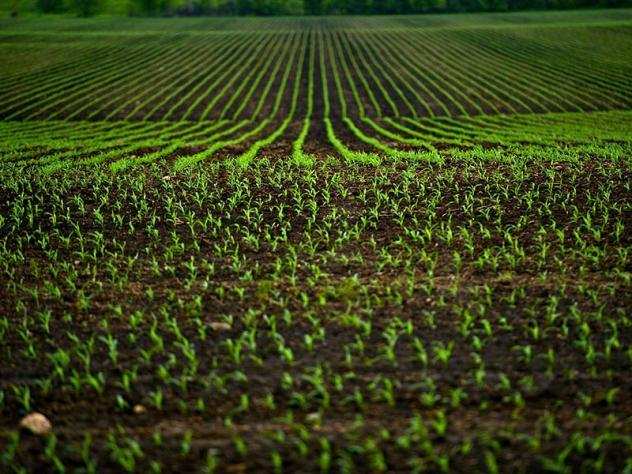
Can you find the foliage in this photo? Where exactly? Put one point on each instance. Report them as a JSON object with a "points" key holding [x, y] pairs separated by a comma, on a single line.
{"points": [[311, 7], [86, 7], [50, 6]]}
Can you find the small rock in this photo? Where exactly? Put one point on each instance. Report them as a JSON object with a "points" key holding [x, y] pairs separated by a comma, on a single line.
{"points": [[216, 326], [139, 409], [37, 424], [313, 418]]}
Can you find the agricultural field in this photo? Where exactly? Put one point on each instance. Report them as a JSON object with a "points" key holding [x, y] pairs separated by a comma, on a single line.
{"points": [[337, 244]]}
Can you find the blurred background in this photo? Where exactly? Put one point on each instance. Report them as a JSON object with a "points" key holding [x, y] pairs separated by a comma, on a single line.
{"points": [[17, 8]]}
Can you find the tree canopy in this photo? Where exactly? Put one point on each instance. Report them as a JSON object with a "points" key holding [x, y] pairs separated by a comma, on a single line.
{"points": [[297, 7]]}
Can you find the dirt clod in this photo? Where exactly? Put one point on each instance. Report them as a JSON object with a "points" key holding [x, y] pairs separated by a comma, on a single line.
{"points": [[37, 424], [219, 327]]}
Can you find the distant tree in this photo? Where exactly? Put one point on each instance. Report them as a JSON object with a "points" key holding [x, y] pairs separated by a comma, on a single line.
{"points": [[359, 7], [245, 7], [264, 7], [293, 7], [387, 7], [86, 8], [473, 5], [227, 7], [427, 6], [313, 7], [152, 7], [496, 5], [454, 6], [407, 6], [187, 7], [49, 6], [298, 7], [143, 7]]}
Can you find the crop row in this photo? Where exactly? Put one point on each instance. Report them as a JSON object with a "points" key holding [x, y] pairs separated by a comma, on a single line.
{"points": [[402, 93], [122, 144], [392, 73]]}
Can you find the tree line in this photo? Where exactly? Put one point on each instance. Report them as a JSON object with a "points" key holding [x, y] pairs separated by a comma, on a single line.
{"points": [[301, 7]]}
